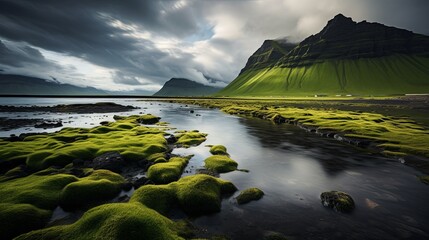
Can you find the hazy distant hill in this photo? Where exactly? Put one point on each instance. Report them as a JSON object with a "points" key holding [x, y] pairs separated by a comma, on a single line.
{"points": [[176, 87], [23, 85], [344, 58]]}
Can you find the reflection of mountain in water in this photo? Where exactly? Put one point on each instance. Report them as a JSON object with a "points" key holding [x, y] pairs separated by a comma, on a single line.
{"points": [[334, 156]]}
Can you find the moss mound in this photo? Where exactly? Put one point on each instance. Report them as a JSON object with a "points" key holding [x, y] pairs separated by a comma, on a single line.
{"points": [[21, 218], [196, 195], [250, 194], [100, 186], [339, 201], [220, 163], [126, 136], [218, 150], [112, 222], [169, 171], [39, 190], [192, 138]]}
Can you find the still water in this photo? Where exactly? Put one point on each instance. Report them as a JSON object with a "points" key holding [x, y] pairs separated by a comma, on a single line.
{"points": [[291, 166]]}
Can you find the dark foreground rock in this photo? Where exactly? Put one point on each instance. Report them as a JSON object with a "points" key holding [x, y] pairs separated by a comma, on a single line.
{"points": [[339, 201], [112, 161], [48, 124]]}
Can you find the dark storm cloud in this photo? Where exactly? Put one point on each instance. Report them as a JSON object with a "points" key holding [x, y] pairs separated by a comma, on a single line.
{"points": [[214, 38]]}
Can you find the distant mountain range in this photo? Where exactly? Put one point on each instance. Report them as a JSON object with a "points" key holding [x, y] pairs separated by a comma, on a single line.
{"points": [[344, 58], [23, 85], [181, 87]]}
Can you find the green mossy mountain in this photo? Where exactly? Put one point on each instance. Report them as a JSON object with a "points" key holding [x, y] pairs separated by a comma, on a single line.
{"points": [[344, 58], [178, 87]]}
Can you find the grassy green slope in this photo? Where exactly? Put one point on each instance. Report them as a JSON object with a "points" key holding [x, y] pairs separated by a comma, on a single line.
{"points": [[395, 74]]}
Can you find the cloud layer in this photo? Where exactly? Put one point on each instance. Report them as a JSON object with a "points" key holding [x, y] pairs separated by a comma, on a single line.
{"points": [[139, 44]]}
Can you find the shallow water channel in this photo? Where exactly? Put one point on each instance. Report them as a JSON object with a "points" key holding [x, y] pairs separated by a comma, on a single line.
{"points": [[291, 166]]}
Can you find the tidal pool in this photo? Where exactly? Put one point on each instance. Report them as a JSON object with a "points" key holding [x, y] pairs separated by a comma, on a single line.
{"points": [[290, 165]]}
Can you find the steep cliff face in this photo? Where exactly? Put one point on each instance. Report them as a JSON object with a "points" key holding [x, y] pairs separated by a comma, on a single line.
{"points": [[183, 87], [344, 58]]}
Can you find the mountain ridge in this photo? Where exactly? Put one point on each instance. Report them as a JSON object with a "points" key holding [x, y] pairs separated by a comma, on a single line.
{"points": [[176, 87], [345, 57]]}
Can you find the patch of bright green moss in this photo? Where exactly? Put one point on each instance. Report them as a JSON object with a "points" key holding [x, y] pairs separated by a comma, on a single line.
{"points": [[126, 136], [250, 194], [220, 163], [218, 150], [39, 190], [166, 172], [192, 138], [16, 219], [100, 186], [196, 195], [111, 222]]}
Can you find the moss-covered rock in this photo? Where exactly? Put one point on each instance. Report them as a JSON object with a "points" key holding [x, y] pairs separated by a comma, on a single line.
{"points": [[250, 194], [125, 136], [111, 222], [220, 163], [339, 201], [188, 139], [148, 119], [218, 150], [42, 191], [16, 219], [100, 186], [424, 179], [167, 172], [196, 195]]}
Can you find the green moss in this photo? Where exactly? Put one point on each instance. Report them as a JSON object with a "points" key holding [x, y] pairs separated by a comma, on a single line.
{"points": [[16, 219], [218, 150], [220, 163], [250, 194], [339, 201], [40, 191], [111, 222], [166, 172], [192, 138], [424, 179], [100, 186], [126, 136], [196, 195]]}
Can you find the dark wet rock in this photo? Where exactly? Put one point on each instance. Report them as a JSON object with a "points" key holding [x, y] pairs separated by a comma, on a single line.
{"points": [[171, 139], [78, 172], [48, 124], [212, 173], [278, 119], [112, 161], [124, 198], [12, 123], [13, 138], [141, 181], [104, 123], [78, 162], [339, 201], [192, 111], [127, 186]]}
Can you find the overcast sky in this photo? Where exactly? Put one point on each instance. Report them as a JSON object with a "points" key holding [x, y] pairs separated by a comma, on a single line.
{"points": [[140, 44]]}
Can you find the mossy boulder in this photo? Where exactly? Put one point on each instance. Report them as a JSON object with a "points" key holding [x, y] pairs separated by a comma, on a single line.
{"points": [[218, 150], [166, 172], [220, 163], [98, 187], [126, 136], [20, 218], [196, 195], [111, 222], [42, 191], [148, 119], [191, 138], [339, 201], [250, 194]]}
